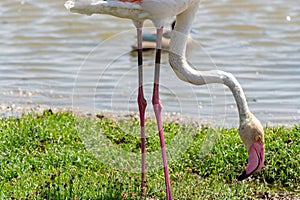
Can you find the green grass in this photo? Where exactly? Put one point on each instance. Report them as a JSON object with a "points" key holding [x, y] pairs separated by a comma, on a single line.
{"points": [[64, 156]]}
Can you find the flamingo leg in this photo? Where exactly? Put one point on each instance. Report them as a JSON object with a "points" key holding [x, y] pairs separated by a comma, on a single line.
{"points": [[157, 109], [142, 107]]}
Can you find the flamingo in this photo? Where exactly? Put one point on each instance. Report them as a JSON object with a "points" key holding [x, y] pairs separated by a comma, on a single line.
{"points": [[250, 129]]}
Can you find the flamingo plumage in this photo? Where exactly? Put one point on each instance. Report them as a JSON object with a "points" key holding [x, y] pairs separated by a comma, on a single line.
{"points": [[250, 128]]}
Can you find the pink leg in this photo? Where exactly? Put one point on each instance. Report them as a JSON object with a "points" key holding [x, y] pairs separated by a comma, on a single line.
{"points": [[157, 109], [142, 107]]}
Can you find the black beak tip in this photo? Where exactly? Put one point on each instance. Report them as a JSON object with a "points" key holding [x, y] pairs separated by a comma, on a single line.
{"points": [[243, 176]]}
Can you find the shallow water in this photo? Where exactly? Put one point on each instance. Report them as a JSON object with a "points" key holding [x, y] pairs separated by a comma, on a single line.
{"points": [[52, 58]]}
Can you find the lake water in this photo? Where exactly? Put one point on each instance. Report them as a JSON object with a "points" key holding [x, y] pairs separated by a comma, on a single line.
{"points": [[51, 58]]}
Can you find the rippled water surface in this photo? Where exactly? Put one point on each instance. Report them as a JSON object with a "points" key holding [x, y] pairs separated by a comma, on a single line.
{"points": [[54, 58]]}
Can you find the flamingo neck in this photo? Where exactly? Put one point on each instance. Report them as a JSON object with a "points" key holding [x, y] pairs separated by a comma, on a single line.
{"points": [[186, 73]]}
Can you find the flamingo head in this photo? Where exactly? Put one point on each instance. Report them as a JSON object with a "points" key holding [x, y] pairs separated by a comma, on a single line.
{"points": [[252, 135]]}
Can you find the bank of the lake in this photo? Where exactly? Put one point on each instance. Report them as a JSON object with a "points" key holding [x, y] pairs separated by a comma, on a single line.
{"points": [[59, 155]]}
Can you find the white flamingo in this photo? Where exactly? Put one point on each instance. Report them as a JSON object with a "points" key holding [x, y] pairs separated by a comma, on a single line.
{"points": [[250, 129]]}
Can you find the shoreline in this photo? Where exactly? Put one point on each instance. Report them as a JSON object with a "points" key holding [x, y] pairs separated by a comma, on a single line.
{"points": [[14, 110]]}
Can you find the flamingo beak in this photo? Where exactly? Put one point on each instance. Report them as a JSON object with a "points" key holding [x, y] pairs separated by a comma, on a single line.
{"points": [[256, 158]]}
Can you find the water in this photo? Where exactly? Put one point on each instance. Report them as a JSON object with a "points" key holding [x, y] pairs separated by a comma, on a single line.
{"points": [[51, 58]]}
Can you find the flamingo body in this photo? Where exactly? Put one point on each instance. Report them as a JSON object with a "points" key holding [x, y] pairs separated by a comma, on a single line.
{"points": [[155, 10]]}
